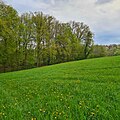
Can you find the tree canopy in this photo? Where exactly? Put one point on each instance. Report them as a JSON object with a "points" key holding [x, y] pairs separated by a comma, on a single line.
{"points": [[36, 39]]}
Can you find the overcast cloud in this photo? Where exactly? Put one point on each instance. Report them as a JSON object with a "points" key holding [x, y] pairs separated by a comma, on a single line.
{"points": [[103, 1], [103, 16]]}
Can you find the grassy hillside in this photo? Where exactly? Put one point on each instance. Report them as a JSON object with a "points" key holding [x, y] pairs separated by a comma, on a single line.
{"points": [[82, 90]]}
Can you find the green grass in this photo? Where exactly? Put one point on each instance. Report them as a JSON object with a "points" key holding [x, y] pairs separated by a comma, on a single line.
{"points": [[82, 90]]}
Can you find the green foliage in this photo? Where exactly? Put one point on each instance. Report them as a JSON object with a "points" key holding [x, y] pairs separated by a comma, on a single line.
{"points": [[8, 35], [82, 90], [117, 51], [98, 51], [113, 50], [35, 39]]}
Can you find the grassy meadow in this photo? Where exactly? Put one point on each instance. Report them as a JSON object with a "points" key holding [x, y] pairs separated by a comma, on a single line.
{"points": [[80, 90]]}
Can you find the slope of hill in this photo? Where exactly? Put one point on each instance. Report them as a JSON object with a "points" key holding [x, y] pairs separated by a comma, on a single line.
{"points": [[82, 90]]}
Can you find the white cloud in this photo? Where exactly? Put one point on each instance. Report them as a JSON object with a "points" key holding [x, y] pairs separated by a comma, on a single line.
{"points": [[103, 1], [53, 2], [101, 15]]}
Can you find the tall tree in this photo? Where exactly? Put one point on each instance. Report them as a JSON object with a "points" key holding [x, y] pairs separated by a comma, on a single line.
{"points": [[27, 38], [84, 35], [88, 44], [39, 24], [9, 21]]}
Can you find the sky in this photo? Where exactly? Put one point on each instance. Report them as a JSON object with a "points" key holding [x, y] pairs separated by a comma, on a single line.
{"points": [[103, 16]]}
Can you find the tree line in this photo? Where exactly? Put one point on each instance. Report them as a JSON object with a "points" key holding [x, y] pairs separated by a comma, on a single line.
{"points": [[34, 39], [105, 50]]}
